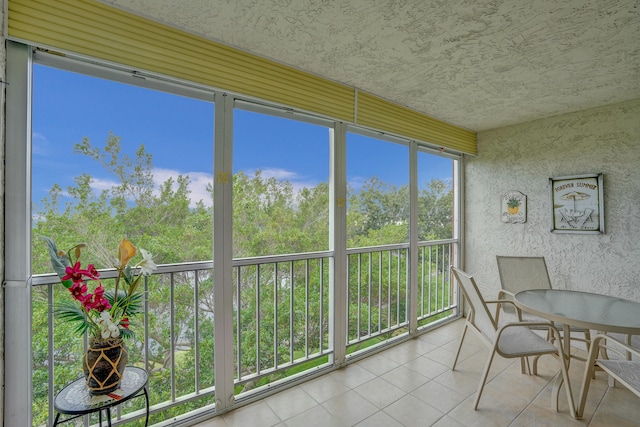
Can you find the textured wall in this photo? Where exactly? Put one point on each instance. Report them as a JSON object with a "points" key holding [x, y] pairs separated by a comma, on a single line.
{"points": [[523, 157]]}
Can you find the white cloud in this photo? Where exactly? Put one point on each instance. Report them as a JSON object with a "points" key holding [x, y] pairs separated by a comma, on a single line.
{"points": [[297, 181], [102, 184], [39, 143], [198, 182]]}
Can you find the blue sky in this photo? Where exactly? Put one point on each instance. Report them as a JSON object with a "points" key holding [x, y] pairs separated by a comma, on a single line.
{"points": [[178, 131]]}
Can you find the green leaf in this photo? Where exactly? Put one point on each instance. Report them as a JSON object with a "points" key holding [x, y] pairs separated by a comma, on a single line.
{"points": [[59, 262], [69, 311]]}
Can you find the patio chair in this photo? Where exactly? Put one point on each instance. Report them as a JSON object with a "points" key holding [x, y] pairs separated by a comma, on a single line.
{"points": [[512, 340], [623, 370], [521, 273]]}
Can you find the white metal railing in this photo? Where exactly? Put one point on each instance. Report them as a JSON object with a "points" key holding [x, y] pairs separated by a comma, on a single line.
{"points": [[378, 289], [281, 322]]}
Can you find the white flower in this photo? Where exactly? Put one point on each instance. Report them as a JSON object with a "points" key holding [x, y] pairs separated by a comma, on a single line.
{"points": [[108, 328], [147, 265]]}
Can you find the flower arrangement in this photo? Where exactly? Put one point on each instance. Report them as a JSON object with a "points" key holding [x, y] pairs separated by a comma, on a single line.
{"points": [[103, 314]]}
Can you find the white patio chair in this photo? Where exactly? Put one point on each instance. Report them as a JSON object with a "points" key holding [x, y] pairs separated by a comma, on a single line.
{"points": [[624, 370], [521, 273], [512, 340]]}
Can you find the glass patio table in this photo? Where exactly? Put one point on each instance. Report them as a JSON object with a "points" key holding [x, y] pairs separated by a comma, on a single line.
{"points": [[602, 313]]}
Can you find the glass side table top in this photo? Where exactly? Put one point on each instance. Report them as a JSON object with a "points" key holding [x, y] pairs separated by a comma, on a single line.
{"points": [[583, 309], [75, 399]]}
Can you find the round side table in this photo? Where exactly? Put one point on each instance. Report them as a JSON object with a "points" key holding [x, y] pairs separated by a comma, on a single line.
{"points": [[74, 399]]}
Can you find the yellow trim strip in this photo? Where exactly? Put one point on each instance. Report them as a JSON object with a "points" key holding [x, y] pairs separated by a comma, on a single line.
{"points": [[97, 30]]}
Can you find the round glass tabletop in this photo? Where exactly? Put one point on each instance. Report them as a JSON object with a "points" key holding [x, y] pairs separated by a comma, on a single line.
{"points": [[583, 309]]}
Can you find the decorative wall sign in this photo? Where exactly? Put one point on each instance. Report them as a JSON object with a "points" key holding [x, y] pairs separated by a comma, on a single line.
{"points": [[577, 204], [514, 207]]}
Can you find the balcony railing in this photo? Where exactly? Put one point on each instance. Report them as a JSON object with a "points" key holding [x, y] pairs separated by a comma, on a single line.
{"points": [[281, 323]]}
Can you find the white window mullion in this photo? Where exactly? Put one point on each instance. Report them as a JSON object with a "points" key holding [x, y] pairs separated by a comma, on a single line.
{"points": [[413, 238], [17, 238], [222, 252], [338, 244]]}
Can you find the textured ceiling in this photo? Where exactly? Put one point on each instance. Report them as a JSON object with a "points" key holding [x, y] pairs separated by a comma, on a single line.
{"points": [[479, 64]]}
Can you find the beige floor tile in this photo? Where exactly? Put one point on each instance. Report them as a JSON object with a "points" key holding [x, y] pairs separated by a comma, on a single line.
{"points": [[378, 364], [379, 419], [401, 353], [419, 346], [410, 411], [352, 375], [447, 421], [513, 381], [255, 414], [426, 367], [493, 410], [379, 392], [405, 378], [324, 388], [439, 396], [214, 422], [314, 417], [442, 356], [621, 403], [350, 408], [537, 416], [464, 382], [290, 402]]}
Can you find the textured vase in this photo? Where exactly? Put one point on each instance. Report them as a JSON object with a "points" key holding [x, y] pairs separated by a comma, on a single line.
{"points": [[104, 364]]}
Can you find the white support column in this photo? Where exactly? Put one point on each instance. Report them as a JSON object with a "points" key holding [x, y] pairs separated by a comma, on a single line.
{"points": [[17, 238], [338, 243], [413, 238], [222, 251]]}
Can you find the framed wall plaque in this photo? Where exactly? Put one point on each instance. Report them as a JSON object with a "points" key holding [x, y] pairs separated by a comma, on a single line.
{"points": [[577, 204], [513, 207]]}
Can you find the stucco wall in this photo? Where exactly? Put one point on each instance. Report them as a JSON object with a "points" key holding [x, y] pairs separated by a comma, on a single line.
{"points": [[523, 157]]}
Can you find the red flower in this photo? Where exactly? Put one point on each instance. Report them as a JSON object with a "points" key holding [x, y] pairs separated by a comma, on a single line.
{"points": [[79, 291], [74, 273], [91, 272], [77, 274], [97, 301]]}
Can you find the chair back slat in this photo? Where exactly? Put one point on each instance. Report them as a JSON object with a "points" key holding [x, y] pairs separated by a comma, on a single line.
{"points": [[482, 318], [519, 273]]}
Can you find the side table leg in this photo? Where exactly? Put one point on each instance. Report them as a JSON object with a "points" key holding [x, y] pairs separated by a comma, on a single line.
{"points": [[109, 417], [146, 398], [55, 423]]}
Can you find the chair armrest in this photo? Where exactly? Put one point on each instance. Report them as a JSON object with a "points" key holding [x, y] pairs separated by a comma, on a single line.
{"points": [[620, 347], [499, 303], [503, 292]]}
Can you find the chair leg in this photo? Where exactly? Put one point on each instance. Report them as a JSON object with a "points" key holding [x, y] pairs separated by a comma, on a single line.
{"points": [[589, 373], [483, 380], [525, 366], [567, 383], [464, 332], [535, 365]]}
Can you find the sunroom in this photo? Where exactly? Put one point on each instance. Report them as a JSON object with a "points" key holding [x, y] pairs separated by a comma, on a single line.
{"points": [[331, 204]]}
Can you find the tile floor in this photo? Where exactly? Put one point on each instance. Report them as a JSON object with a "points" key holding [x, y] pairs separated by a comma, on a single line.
{"points": [[412, 385]]}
